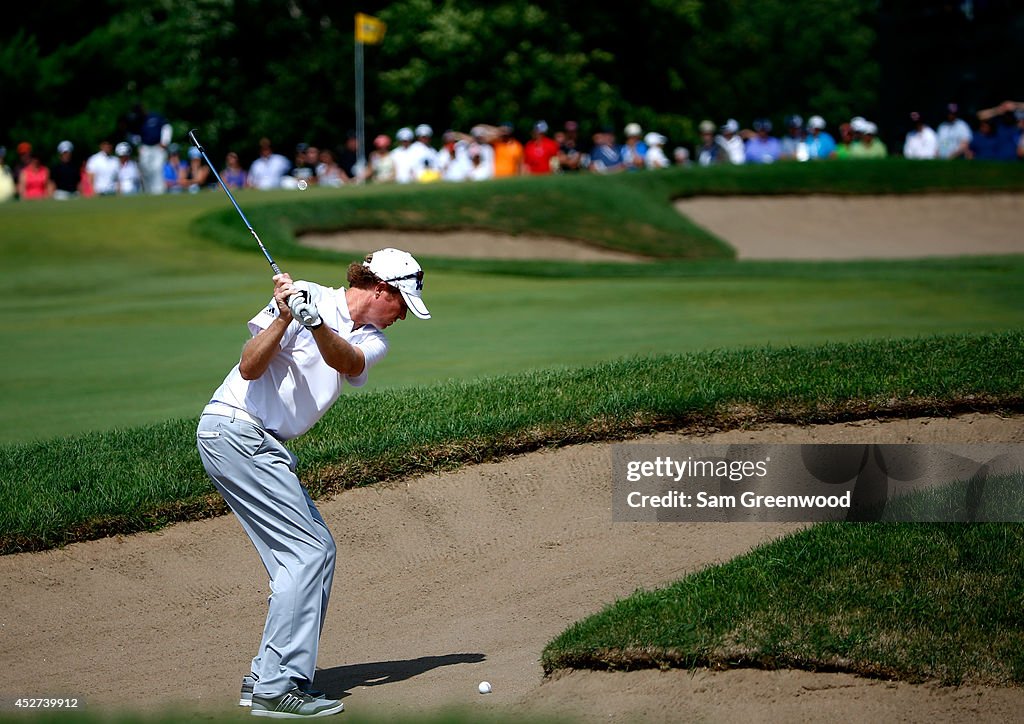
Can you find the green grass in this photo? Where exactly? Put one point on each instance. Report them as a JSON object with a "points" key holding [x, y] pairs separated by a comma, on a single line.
{"points": [[911, 601], [121, 315], [74, 488]]}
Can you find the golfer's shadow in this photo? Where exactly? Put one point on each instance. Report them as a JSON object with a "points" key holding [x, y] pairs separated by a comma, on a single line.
{"points": [[340, 680]]}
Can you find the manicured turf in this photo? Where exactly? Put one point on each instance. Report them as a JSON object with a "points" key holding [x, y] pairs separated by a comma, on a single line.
{"points": [[910, 601], [122, 314], [92, 485]]}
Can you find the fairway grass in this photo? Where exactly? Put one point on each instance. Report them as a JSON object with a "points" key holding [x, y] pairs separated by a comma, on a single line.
{"points": [[911, 601], [81, 487]]}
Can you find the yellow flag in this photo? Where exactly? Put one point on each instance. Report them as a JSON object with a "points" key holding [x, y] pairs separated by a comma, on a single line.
{"points": [[369, 30]]}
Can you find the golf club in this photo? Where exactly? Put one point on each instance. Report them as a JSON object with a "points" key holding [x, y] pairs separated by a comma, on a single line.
{"points": [[304, 311], [195, 142]]}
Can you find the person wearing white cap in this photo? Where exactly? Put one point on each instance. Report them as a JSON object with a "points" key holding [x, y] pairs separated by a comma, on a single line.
{"points": [[869, 146], [422, 155], [402, 156], [655, 157], [65, 175], [820, 143], [633, 149], [129, 178], [290, 374], [731, 143]]}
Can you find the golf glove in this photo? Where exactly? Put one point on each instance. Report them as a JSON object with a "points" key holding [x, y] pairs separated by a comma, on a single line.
{"points": [[304, 310]]}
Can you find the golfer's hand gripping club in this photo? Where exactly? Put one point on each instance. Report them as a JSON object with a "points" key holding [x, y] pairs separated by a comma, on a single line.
{"points": [[304, 310]]}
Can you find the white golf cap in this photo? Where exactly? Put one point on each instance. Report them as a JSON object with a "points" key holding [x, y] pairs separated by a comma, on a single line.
{"points": [[654, 139], [65, 147], [424, 130], [633, 129], [399, 269], [816, 122], [404, 134], [730, 126], [123, 149]]}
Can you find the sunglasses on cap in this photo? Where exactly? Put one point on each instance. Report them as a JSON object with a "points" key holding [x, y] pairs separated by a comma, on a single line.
{"points": [[418, 276]]}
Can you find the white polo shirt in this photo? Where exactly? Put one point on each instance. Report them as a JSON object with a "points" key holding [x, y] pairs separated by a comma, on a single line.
{"points": [[299, 386]]}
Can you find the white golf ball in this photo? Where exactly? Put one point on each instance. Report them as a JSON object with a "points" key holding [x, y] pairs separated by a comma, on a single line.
{"points": [[484, 687], [302, 184]]}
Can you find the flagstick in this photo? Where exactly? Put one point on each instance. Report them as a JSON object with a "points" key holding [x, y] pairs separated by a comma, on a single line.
{"points": [[360, 110]]}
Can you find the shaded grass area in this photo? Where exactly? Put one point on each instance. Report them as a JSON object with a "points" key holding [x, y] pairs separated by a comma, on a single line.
{"points": [[78, 488], [626, 212], [913, 601]]}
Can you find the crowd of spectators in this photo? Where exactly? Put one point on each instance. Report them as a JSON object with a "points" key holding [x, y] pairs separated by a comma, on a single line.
{"points": [[147, 161]]}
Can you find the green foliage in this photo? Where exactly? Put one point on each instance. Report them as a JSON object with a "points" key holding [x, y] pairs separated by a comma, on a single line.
{"points": [[247, 68]]}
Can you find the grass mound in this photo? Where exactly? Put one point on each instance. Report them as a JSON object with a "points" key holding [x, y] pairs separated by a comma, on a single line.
{"points": [[916, 602]]}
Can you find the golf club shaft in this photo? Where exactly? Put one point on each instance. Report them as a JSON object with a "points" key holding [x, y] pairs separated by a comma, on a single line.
{"points": [[195, 142]]}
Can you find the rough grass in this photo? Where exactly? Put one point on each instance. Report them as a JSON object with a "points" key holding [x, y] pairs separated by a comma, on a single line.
{"points": [[77, 488]]}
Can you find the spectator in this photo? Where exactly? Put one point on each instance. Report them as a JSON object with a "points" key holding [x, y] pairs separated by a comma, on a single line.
{"points": [[267, 171], [508, 152], [34, 180], [424, 157], [793, 146], [453, 158], [845, 142], [953, 134], [540, 153], [24, 158], [870, 146], [681, 154], [634, 149], [760, 146], [820, 143], [569, 155], [731, 144], [7, 185], [606, 156], [480, 169], [708, 151], [348, 158], [129, 178], [197, 173], [994, 141], [381, 165], [329, 172], [921, 143], [655, 157], [233, 175], [303, 171], [65, 175], [402, 158], [1008, 120], [102, 169], [85, 189], [154, 138], [174, 170]]}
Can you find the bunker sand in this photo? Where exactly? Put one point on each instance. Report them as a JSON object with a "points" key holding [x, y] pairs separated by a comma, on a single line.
{"points": [[443, 581]]}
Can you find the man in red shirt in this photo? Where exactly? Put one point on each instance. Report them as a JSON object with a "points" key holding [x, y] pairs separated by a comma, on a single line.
{"points": [[540, 151]]}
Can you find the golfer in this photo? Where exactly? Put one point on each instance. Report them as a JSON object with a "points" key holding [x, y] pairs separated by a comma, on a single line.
{"points": [[288, 376]]}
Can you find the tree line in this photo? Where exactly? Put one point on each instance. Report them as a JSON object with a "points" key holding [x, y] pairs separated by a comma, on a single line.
{"points": [[242, 69]]}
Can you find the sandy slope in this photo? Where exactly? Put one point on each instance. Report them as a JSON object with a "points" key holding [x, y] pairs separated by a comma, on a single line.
{"points": [[444, 581]]}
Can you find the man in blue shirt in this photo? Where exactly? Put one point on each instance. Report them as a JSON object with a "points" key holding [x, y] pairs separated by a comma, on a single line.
{"points": [[760, 147]]}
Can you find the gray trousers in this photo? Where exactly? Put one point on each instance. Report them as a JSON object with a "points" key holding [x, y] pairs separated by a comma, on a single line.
{"points": [[256, 475]]}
